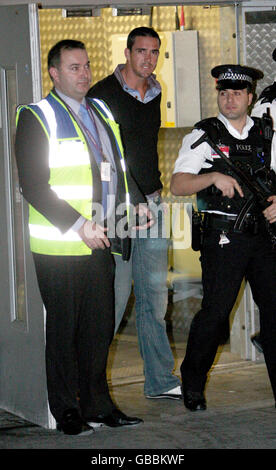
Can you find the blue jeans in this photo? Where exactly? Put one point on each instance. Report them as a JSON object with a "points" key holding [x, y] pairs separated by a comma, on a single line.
{"points": [[148, 267]]}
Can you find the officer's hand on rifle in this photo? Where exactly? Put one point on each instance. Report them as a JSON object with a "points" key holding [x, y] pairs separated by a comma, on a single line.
{"points": [[226, 184], [270, 211]]}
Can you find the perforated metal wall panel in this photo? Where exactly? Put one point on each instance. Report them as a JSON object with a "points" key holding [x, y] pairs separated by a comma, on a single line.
{"points": [[260, 41]]}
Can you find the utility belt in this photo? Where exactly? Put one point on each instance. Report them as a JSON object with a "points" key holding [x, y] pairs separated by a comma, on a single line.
{"points": [[252, 224], [202, 221]]}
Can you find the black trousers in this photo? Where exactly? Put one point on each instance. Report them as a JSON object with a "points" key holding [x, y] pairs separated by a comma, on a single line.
{"points": [[78, 295], [223, 269]]}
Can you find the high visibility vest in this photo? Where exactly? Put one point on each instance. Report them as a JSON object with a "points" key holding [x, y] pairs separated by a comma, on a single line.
{"points": [[70, 173]]}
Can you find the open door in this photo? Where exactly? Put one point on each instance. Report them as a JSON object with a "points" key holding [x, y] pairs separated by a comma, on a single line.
{"points": [[23, 389]]}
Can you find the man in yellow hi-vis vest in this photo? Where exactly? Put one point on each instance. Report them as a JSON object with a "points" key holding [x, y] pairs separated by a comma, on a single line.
{"points": [[73, 175]]}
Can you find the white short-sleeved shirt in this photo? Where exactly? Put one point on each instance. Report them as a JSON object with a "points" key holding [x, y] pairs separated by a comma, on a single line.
{"points": [[261, 108], [193, 160]]}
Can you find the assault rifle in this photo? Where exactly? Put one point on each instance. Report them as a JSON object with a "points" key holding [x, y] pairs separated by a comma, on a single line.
{"points": [[261, 184]]}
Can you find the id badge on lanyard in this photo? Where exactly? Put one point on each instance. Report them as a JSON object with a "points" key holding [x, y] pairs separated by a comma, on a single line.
{"points": [[105, 171]]}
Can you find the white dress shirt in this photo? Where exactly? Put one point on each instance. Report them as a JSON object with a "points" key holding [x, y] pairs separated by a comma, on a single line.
{"points": [[258, 110]]}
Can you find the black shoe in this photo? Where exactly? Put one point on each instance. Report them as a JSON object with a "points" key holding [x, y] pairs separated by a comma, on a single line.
{"points": [[72, 424], [257, 342], [114, 420], [194, 401]]}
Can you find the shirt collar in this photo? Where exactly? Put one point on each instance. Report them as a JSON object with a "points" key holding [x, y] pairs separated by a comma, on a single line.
{"points": [[73, 104], [249, 123], [154, 87]]}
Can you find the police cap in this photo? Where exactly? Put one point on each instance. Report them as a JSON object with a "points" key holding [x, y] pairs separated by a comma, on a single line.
{"points": [[235, 77]]}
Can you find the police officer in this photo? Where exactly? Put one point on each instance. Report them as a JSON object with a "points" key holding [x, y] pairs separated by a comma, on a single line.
{"points": [[266, 100], [229, 252]]}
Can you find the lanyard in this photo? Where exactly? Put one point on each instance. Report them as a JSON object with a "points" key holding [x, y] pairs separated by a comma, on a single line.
{"points": [[96, 142]]}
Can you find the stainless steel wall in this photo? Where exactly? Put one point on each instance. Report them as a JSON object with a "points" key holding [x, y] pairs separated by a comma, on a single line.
{"points": [[259, 39]]}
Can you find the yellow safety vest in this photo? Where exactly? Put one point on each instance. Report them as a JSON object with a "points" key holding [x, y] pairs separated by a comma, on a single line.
{"points": [[70, 174]]}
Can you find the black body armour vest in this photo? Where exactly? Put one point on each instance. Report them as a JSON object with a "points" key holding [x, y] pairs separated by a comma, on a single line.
{"points": [[249, 154]]}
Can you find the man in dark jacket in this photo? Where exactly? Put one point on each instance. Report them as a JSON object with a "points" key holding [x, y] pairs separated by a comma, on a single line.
{"points": [[73, 175], [133, 95]]}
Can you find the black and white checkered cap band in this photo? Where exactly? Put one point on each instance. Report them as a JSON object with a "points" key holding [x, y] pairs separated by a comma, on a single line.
{"points": [[235, 76]]}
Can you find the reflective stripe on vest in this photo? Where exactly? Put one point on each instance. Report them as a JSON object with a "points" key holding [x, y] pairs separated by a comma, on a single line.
{"points": [[108, 117], [52, 233]]}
